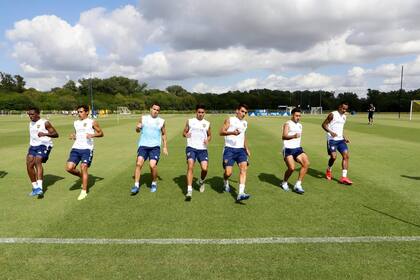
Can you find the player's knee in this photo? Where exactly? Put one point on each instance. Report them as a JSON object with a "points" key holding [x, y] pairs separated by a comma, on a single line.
{"points": [[69, 168], [291, 168], [306, 164], [204, 168]]}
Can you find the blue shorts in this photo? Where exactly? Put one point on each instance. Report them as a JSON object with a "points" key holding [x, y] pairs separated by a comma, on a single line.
{"points": [[232, 155], [292, 152], [78, 155], [41, 151], [149, 153], [336, 145], [194, 154]]}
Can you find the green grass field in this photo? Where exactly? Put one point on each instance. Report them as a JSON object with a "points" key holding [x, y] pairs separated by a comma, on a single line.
{"points": [[384, 201]]}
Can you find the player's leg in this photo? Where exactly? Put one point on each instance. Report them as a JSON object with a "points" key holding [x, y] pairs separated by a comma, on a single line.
{"points": [[30, 168], [303, 160], [290, 163], [85, 177], [227, 163], [190, 169], [72, 163], [137, 173], [332, 152], [204, 169], [39, 171], [243, 166], [154, 172], [226, 175], [345, 165]]}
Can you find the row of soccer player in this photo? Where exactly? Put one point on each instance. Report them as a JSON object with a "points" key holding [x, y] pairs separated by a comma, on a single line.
{"points": [[198, 133]]}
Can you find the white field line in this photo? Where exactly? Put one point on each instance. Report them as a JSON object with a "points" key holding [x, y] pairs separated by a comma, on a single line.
{"points": [[186, 241]]}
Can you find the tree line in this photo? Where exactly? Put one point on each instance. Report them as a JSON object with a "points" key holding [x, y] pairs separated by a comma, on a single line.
{"points": [[113, 92]]}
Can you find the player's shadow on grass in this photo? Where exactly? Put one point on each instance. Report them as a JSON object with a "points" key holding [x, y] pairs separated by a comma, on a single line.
{"points": [[270, 178], [181, 181], [91, 182], [50, 180], [410, 177], [3, 174], [318, 174], [391, 216]]}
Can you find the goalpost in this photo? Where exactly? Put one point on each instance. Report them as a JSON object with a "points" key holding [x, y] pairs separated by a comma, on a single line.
{"points": [[123, 111], [316, 110], [414, 107]]}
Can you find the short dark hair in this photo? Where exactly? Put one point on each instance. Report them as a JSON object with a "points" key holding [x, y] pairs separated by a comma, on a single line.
{"points": [[343, 103], [35, 109], [155, 103], [296, 110], [242, 105], [85, 107], [200, 106]]}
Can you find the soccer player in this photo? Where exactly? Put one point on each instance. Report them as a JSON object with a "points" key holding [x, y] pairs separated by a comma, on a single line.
{"points": [[198, 133], [371, 110], [40, 133], [153, 133], [292, 151], [236, 149], [337, 141], [82, 150]]}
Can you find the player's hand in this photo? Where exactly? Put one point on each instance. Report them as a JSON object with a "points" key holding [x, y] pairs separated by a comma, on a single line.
{"points": [[90, 136], [41, 134], [188, 135], [236, 132], [165, 151], [347, 140], [206, 141], [333, 134], [72, 136], [139, 125], [297, 135]]}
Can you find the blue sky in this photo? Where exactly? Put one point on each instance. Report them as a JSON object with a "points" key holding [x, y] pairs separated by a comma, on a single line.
{"points": [[215, 46]]}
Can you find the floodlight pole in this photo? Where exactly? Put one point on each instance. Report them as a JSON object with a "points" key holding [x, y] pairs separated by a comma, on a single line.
{"points": [[399, 95], [91, 96]]}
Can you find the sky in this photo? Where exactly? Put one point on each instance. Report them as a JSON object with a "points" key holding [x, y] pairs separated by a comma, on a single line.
{"points": [[215, 46]]}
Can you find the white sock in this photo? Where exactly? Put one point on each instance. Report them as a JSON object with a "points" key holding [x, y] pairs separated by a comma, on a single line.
{"points": [[241, 188], [189, 188], [154, 183], [83, 191], [298, 183], [284, 183], [39, 183], [329, 168], [137, 184], [344, 172], [226, 183], [34, 185], [200, 182]]}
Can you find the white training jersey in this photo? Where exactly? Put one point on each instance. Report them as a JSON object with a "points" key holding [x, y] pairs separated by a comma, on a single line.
{"points": [[198, 130], [82, 128], [34, 129], [337, 126], [293, 129], [236, 141], [151, 131]]}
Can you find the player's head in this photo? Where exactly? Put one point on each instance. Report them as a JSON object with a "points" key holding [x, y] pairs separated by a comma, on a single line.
{"points": [[241, 111], [154, 109], [33, 114], [83, 111], [343, 107], [296, 114], [200, 111]]}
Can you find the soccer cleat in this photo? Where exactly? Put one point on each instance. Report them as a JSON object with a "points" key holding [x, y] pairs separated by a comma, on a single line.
{"points": [[345, 181], [135, 190], [243, 196], [153, 188], [227, 188], [328, 174], [298, 190], [36, 191], [82, 195], [285, 186], [188, 196], [202, 186]]}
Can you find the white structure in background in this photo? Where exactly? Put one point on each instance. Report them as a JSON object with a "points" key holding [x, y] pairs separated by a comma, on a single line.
{"points": [[414, 107]]}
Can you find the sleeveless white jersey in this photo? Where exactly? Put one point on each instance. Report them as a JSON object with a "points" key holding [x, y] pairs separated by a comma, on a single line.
{"points": [[82, 128], [34, 129], [198, 130], [293, 129], [337, 126], [236, 141]]}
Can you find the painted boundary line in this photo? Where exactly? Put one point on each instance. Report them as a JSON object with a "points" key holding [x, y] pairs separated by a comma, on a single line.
{"points": [[186, 241]]}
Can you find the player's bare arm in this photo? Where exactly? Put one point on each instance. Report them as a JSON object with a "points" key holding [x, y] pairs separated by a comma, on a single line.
{"points": [[325, 125], [97, 129], [285, 135], [186, 132], [139, 126], [51, 131], [207, 140], [248, 151], [224, 130], [165, 147]]}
